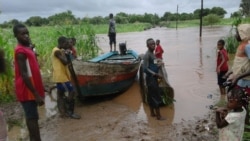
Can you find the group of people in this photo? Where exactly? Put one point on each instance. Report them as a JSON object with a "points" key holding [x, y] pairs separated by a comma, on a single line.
{"points": [[232, 118], [150, 67], [29, 87], [30, 91]]}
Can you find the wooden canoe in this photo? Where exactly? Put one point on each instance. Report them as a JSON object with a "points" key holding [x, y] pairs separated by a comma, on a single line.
{"points": [[106, 74]]}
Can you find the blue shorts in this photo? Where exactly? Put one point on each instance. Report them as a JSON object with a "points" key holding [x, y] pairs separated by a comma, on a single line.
{"points": [[30, 109], [65, 87]]}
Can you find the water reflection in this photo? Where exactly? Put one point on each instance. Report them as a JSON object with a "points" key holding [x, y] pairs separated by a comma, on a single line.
{"points": [[132, 99]]}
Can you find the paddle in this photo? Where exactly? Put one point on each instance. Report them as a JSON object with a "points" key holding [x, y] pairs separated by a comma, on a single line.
{"points": [[73, 75]]}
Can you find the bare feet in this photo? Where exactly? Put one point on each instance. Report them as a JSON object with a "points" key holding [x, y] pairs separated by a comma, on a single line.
{"points": [[153, 115], [160, 118]]}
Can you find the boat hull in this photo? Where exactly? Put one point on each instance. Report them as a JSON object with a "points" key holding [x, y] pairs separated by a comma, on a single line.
{"points": [[105, 85], [98, 78]]}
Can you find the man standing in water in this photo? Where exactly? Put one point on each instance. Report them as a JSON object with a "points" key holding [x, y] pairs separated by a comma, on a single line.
{"points": [[28, 80], [151, 68], [112, 32]]}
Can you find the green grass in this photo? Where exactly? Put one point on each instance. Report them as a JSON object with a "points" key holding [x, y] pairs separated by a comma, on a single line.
{"points": [[196, 23]]}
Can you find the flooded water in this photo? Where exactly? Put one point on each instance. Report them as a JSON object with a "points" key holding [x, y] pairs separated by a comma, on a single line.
{"points": [[190, 62]]}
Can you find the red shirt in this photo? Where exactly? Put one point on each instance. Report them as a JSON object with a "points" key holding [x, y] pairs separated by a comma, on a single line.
{"points": [[160, 50], [22, 91], [73, 52], [224, 66]]}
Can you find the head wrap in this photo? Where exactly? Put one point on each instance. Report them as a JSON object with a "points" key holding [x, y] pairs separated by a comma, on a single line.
{"points": [[244, 31]]}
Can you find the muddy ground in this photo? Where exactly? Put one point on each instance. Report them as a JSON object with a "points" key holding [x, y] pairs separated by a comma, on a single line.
{"points": [[104, 119]]}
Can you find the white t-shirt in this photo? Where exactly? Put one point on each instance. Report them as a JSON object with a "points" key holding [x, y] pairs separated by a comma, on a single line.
{"points": [[235, 128]]}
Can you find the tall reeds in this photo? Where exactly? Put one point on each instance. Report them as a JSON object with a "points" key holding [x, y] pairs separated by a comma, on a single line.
{"points": [[6, 78]]}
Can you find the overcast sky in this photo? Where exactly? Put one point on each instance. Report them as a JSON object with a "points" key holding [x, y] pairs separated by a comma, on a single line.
{"points": [[24, 9]]}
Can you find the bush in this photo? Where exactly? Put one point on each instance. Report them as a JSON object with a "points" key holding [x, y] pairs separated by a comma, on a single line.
{"points": [[211, 19]]}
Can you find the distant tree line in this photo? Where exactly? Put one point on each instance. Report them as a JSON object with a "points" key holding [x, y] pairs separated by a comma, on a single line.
{"points": [[121, 18]]}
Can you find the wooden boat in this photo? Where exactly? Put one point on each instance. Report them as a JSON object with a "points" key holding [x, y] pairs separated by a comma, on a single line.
{"points": [[106, 74], [166, 90]]}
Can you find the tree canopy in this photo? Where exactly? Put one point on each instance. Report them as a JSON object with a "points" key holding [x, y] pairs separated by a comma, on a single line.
{"points": [[245, 7], [121, 18]]}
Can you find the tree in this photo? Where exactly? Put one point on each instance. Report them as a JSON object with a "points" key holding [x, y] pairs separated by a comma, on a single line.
{"points": [[215, 10], [245, 7], [36, 21], [134, 18], [168, 17], [96, 20], [236, 14], [121, 18], [185, 16], [14, 21], [62, 18], [211, 19], [218, 11]]}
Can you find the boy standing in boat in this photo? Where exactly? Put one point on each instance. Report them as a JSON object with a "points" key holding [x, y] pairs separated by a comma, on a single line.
{"points": [[61, 76], [151, 68], [112, 32]]}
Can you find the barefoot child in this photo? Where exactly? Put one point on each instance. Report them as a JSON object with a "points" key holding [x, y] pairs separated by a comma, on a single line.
{"points": [[151, 69], [231, 120], [222, 65]]}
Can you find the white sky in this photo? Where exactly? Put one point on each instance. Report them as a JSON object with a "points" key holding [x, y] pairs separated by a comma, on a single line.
{"points": [[24, 9]]}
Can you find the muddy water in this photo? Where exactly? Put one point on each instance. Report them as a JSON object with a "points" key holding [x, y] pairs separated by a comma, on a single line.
{"points": [[190, 64]]}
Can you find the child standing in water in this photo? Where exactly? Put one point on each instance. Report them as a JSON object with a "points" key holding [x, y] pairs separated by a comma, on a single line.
{"points": [[231, 120], [222, 65], [158, 50]]}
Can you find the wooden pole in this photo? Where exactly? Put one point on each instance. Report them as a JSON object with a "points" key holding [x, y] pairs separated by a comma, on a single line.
{"points": [[176, 26], [201, 15]]}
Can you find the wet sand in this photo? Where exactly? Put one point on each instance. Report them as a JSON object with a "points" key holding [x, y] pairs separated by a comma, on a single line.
{"points": [[190, 64]]}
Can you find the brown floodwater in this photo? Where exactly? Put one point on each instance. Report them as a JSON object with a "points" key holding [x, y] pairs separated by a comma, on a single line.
{"points": [[190, 62]]}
